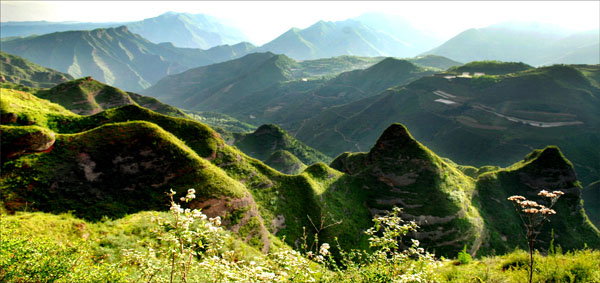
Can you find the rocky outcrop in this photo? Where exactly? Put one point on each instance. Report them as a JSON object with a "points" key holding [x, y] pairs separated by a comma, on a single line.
{"points": [[17, 141]]}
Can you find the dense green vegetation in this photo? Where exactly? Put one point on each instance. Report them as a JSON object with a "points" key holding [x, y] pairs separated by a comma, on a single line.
{"points": [[20, 71], [61, 248], [87, 148], [98, 184], [109, 167], [285, 162], [267, 139], [88, 96]]}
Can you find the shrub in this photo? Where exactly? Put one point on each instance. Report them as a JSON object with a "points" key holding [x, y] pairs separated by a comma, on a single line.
{"points": [[464, 257]]}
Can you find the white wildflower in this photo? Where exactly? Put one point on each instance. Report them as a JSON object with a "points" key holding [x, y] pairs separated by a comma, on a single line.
{"points": [[324, 250]]}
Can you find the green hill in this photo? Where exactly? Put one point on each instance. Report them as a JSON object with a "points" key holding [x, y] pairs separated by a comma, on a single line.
{"points": [[115, 56], [88, 96], [193, 87], [240, 77], [490, 68], [434, 61], [399, 171], [477, 121], [267, 139], [21, 71], [289, 104], [267, 88], [542, 169], [285, 162], [329, 39], [165, 141], [454, 209], [121, 160]]}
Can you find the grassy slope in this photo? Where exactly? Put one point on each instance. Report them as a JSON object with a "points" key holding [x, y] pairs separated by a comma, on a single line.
{"points": [[290, 104], [292, 198], [52, 241], [269, 138], [285, 162], [21, 71], [88, 96], [193, 153]]}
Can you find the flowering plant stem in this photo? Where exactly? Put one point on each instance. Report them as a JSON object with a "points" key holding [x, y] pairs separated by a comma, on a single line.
{"points": [[535, 216]]}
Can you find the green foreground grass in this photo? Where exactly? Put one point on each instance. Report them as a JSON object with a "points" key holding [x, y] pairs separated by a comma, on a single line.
{"points": [[41, 247]]}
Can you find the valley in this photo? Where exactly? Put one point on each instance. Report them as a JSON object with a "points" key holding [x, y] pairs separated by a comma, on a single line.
{"points": [[178, 147]]}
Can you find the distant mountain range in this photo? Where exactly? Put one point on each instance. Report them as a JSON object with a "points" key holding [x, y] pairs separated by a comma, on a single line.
{"points": [[188, 30], [15, 69], [181, 29], [328, 39], [533, 44], [116, 55], [477, 120], [127, 58], [263, 87]]}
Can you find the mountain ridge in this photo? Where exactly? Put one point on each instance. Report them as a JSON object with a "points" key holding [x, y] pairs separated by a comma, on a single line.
{"points": [[115, 55]]}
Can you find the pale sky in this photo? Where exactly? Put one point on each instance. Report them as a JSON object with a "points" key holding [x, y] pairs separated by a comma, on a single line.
{"points": [[262, 21]]}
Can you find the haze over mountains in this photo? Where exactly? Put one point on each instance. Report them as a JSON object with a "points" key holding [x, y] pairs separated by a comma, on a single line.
{"points": [[371, 34], [338, 122], [532, 43], [181, 29], [328, 39], [116, 55]]}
